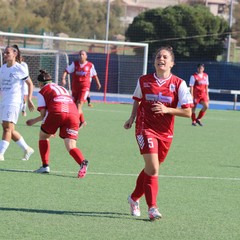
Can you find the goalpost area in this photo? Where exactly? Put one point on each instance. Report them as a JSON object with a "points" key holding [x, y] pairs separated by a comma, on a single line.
{"points": [[118, 64]]}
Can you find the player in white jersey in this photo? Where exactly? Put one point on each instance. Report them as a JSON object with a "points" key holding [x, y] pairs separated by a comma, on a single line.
{"points": [[25, 93], [12, 77], [155, 106]]}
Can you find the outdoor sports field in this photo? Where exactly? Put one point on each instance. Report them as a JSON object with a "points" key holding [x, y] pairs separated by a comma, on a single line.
{"points": [[199, 195]]}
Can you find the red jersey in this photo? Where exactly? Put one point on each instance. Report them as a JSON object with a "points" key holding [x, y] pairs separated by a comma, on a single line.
{"points": [[171, 92], [199, 83], [56, 99], [82, 74]]}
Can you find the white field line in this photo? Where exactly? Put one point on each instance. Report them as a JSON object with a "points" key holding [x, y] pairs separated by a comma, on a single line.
{"points": [[134, 175]]}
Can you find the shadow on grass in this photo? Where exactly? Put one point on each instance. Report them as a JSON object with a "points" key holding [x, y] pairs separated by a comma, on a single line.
{"points": [[74, 213], [43, 174], [230, 166]]}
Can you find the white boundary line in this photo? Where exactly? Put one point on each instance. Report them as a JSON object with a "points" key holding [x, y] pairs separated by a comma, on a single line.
{"points": [[133, 175]]}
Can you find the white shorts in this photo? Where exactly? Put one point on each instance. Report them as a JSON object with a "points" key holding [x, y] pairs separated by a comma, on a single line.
{"points": [[9, 113]]}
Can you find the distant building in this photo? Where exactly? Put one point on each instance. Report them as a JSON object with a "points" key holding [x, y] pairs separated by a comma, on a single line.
{"points": [[135, 7]]}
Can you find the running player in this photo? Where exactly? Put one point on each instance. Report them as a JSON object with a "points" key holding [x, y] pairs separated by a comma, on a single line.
{"points": [[57, 111], [82, 71], [199, 89], [155, 106], [12, 77]]}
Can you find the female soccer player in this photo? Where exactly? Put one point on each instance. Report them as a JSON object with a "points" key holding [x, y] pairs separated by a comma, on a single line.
{"points": [[83, 71], [156, 99], [12, 77], [199, 89], [57, 111]]}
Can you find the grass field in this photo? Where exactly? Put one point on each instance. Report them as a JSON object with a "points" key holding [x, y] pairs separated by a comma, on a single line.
{"points": [[199, 183]]}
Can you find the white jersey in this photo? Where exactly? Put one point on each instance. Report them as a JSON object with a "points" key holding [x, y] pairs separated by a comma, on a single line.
{"points": [[11, 83], [25, 86]]}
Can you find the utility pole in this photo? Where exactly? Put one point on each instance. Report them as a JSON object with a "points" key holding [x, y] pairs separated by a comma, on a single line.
{"points": [[229, 35]]}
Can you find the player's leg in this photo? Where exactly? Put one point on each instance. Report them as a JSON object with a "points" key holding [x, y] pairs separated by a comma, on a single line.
{"points": [[82, 97], [7, 128], [193, 116], [89, 100], [44, 150], [48, 128], [70, 140], [152, 165], [202, 112]]}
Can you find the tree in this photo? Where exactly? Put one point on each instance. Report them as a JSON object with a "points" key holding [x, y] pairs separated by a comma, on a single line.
{"points": [[77, 18], [193, 32], [236, 25]]}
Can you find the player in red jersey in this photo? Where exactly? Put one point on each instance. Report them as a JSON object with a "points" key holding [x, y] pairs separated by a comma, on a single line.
{"points": [[83, 71], [155, 106], [57, 111], [199, 89]]}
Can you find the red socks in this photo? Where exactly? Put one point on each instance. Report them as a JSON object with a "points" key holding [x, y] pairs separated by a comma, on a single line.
{"points": [[44, 149], [147, 185], [193, 117], [77, 155], [139, 189], [151, 190], [201, 114]]}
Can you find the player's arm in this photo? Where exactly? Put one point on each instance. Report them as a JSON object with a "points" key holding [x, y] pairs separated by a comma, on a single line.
{"points": [[207, 92], [70, 69], [191, 84], [29, 83], [160, 108], [32, 121], [129, 122], [65, 73], [97, 82]]}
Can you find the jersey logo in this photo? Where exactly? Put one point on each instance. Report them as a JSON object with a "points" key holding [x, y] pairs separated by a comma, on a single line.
{"points": [[172, 88], [81, 73], [159, 97]]}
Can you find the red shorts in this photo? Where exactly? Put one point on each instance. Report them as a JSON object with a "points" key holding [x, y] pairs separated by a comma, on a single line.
{"points": [[80, 91], [68, 124], [150, 144], [80, 96], [199, 99]]}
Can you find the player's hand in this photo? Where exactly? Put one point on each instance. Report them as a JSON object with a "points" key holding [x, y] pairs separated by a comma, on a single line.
{"points": [[128, 123], [30, 122], [31, 106], [159, 108]]}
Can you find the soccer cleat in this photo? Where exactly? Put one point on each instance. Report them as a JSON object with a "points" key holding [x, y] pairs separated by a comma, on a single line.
{"points": [[134, 207], [83, 169], [1, 157], [199, 122], [194, 124], [90, 105], [27, 154], [43, 170], [154, 214]]}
